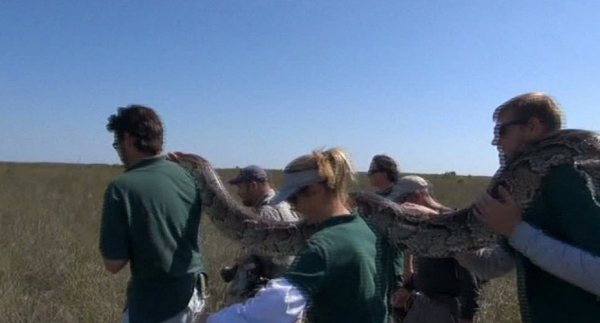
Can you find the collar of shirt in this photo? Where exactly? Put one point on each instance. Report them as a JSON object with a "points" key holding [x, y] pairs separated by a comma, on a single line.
{"points": [[146, 162], [266, 199]]}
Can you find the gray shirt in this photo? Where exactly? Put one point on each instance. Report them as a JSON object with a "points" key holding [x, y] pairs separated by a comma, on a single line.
{"points": [[271, 266], [278, 212], [567, 262]]}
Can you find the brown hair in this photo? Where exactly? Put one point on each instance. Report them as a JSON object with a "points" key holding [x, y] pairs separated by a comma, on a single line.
{"points": [[386, 164], [534, 105], [140, 122], [334, 166]]}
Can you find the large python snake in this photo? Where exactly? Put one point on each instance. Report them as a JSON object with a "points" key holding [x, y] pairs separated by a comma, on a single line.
{"points": [[404, 227]]}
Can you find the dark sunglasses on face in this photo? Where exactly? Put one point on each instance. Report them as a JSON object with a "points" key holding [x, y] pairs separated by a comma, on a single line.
{"points": [[503, 128], [115, 145]]}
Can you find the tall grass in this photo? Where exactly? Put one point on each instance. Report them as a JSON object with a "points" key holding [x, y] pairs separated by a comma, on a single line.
{"points": [[50, 267]]}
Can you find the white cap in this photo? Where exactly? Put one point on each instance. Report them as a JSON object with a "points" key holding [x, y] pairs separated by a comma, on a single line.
{"points": [[411, 184]]}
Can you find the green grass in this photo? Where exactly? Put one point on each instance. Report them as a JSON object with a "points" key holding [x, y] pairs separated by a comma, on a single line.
{"points": [[51, 271]]}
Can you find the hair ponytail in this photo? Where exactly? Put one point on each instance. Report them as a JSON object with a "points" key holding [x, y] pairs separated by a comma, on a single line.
{"points": [[334, 165]]}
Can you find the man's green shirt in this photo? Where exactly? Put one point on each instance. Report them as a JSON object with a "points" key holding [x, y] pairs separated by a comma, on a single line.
{"points": [[566, 209], [399, 258], [151, 217]]}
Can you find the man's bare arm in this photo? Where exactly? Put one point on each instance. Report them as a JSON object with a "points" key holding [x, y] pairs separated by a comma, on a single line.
{"points": [[114, 266]]}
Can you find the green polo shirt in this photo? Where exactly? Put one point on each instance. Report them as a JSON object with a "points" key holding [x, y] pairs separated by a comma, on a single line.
{"points": [[399, 258], [151, 217], [345, 271], [565, 209]]}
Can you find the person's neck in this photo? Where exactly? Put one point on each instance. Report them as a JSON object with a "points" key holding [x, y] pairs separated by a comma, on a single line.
{"points": [[340, 208], [337, 208], [137, 157]]}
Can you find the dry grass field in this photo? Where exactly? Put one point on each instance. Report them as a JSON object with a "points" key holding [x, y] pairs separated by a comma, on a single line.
{"points": [[50, 268]]}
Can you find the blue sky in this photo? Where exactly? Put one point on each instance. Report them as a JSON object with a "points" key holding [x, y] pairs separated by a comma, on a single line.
{"points": [[256, 81]]}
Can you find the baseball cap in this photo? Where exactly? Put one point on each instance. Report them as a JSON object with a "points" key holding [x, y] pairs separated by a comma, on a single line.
{"points": [[411, 184], [249, 174]]}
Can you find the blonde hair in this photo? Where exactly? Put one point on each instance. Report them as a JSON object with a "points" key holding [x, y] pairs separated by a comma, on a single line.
{"points": [[334, 166]]}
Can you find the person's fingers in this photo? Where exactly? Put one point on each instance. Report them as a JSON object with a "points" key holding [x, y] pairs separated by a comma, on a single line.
{"points": [[427, 211], [483, 206], [490, 201], [507, 196], [419, 208], [487, 203]]}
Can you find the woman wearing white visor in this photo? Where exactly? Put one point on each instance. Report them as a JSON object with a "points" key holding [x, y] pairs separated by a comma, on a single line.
{"points": [[343, 273]]}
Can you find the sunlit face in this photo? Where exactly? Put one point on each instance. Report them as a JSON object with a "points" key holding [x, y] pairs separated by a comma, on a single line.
{"points": [[242, 192], [312, 201], [249, 193], [510, 135], [379, 180]]}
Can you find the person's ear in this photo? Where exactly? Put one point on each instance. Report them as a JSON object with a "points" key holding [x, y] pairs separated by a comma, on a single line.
{"points": [[536, 127]]}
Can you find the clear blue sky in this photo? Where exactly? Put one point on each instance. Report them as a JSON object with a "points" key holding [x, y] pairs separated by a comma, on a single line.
{"points": [[256, 81]]}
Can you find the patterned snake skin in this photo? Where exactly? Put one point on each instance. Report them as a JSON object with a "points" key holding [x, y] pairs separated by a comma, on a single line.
{"points": [[404, 227]]}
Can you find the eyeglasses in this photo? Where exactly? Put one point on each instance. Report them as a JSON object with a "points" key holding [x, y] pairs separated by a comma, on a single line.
{"points": [[115, 145], [502, 129], [373, 171]]}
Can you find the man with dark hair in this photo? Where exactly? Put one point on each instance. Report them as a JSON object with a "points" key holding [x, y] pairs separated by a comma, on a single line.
{"points": [[150, 219], [139, 126], [254, 269], [445, 291], [554, 243], [383, 175]]}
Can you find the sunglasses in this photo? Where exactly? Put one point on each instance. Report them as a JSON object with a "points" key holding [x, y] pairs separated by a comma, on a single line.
{"points": [[502, 129]]}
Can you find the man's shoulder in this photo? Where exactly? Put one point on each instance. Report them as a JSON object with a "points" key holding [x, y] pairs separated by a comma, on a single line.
{"points": [[286, 211], [121, 182], [160, 171], [563, 178], [126, 181], [350, 232], [563, 172], [280, 212]]}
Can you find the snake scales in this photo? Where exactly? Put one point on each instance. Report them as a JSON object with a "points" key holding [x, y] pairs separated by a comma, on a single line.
{"points": [[404, 227]]}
